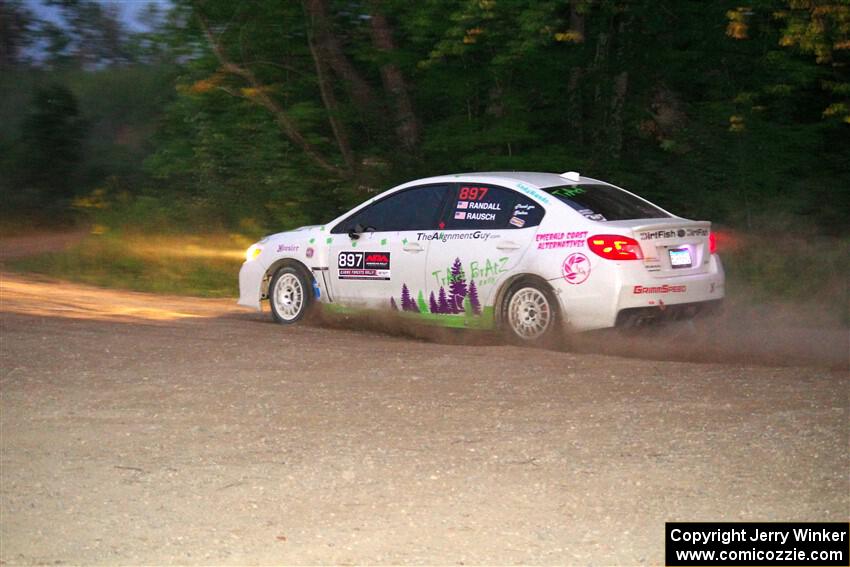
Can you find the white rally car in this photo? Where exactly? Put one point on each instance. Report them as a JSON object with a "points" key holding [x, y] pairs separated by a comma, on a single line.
{"points": [[530, 253]]}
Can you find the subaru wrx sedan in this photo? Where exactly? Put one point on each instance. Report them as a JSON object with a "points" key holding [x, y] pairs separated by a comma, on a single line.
{"points": [[529, 253]]}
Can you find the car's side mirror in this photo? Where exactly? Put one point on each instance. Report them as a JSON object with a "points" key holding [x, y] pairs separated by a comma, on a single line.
{"points": [[354, 232], [358, 229]]}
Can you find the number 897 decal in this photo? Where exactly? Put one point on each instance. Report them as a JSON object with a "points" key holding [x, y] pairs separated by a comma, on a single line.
{"points": [[364, 265]]}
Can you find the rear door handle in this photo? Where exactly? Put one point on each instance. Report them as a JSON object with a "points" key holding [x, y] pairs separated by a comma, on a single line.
{"points": [[412, 247], [508, 245]]}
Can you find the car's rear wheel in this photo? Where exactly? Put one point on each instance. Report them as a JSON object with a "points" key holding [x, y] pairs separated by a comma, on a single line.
{"points": [[290, 295], [530, 313]]}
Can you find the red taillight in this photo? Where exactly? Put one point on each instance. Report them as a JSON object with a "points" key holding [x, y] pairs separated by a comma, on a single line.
{"points": [[712, 243], [615, 247]]}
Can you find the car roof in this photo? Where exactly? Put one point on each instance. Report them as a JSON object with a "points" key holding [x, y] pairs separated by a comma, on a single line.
{"points": [[535, 178], [509, 178]]}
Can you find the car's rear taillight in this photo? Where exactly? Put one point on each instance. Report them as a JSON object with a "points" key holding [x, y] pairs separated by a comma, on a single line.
{"points": [[712, 243], [615, 247]]}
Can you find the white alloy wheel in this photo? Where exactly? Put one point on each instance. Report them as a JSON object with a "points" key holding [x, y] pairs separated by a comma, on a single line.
{"points": [[288, 296], [529, 313]]}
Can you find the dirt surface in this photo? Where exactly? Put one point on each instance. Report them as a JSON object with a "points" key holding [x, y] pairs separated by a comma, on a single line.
{"points": [[139, 429]]}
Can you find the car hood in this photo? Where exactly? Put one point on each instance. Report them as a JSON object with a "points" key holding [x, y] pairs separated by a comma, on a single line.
{"points": [[290, 235], [301, 229]]}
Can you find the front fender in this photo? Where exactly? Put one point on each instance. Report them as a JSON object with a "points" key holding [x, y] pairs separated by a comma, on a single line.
{"points": [[251, 277]]}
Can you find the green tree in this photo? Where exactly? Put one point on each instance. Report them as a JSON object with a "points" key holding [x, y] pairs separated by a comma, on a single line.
{"points": [[51, 145]]}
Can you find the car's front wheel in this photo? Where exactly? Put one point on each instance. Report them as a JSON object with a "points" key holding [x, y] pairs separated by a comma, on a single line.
{"points": [[529, 313], [290, 295]]}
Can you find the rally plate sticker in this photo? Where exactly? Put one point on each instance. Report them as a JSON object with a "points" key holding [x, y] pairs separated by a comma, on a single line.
{"points": [[364, 265]]}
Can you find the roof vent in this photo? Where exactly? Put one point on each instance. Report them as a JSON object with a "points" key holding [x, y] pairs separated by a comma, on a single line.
{"points": [[571, 175]]}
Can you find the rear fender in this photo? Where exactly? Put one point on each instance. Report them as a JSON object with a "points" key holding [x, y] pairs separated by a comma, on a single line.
{"points": [[506, 286]]}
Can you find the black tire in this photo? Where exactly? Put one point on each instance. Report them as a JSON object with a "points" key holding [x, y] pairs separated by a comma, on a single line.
{"points": [[290, 295], [530, 315]]}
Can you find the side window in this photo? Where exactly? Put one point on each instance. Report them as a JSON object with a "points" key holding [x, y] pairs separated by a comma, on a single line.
{"points": [[474, 206], [416, 208]]}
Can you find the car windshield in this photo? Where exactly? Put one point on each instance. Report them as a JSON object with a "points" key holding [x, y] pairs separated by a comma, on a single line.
{"points": [[602, 202]]}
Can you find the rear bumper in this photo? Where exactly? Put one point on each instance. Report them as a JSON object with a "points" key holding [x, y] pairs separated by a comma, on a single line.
{"points": [[667, 292], [622, 294], [639, 316]]}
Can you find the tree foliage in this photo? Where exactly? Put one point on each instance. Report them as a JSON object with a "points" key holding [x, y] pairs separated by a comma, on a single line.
{"points": [[53, 132], [285, 113]]}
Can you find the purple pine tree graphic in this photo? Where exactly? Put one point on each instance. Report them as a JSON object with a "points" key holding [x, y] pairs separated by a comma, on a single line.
{"points": [[457, 289], [407, 304], [432, 304], [393, 304], [474, 303], [442, 303]]}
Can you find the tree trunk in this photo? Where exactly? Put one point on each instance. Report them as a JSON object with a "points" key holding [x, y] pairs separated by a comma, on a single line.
{"points": [[360, 91], [575, 106], [259, 96], [331, 106], [575, 103], [615, 136], [621, 87], [407, 126], [599, 108], [576, 22]]}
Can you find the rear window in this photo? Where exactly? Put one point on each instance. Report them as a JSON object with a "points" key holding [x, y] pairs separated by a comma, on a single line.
{"points": [[600, 202]]}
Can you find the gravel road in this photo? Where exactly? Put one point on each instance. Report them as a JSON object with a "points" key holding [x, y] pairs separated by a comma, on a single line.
{"points": [[139, 429]]}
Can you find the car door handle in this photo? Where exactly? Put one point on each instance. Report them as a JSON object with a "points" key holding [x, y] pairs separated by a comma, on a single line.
{"points": [[412, 247], [508, 245]]}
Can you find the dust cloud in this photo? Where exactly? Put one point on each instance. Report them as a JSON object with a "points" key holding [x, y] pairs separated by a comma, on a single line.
{"points": [[742, 332], [395, 324], [747, 337]]}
